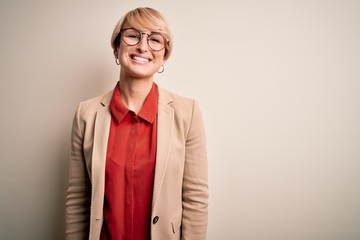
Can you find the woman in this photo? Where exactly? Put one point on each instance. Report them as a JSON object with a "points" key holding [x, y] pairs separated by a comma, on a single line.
{"points": [[138, 167]]}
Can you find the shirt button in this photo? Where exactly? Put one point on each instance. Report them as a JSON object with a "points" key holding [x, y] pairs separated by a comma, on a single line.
{"points": [[155, 220]]}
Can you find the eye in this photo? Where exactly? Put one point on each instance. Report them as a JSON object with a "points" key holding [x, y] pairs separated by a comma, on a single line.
{"points": [[133, 35], [156, 39]]}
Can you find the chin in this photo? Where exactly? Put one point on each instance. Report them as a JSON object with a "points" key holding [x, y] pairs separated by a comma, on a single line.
{"points": [[142, 72], [139, 74]]}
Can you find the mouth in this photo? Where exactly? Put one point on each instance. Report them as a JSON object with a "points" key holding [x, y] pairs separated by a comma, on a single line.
{"points": [[140, 59]]}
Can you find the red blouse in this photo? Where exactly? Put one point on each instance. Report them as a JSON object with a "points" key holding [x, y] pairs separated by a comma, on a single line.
{"points": [[130, 167]]}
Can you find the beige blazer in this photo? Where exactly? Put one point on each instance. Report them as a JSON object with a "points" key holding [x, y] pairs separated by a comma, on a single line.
{"points": [[180, 195]]}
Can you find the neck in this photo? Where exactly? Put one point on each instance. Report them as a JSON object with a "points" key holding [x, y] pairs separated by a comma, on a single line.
{"points": [[134, 91]]}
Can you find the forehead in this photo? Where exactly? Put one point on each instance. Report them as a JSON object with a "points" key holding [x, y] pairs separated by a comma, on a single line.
{"points": [[139, 28], [142, 24], [129, 27]]}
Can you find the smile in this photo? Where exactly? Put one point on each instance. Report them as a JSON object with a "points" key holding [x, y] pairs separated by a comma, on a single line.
{"points": [[140, 59]]}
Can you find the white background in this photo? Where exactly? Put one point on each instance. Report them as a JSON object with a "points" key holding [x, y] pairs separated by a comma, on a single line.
{"points": [[278, 83]]}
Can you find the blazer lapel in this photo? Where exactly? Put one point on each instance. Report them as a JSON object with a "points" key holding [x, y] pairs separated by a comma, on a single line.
{"points": [[101, 135], [164, 133]]}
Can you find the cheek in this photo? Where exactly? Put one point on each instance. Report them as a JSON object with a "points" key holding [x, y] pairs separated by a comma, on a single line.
{"points": [[122, 49], [160, 58]]}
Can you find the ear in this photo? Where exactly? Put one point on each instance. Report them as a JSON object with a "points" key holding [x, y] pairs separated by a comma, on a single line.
{"points": [[166, 56], [164, 61]]}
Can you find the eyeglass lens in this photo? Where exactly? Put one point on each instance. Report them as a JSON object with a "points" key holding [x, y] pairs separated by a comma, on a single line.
{"points": [[132, 37]]}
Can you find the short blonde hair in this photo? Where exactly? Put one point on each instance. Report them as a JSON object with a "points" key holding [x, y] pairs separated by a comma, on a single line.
{"points": [[144, 19]]}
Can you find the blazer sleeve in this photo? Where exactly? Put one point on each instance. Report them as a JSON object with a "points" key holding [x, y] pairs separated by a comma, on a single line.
{"points": [[77, 219], [195, 180]]}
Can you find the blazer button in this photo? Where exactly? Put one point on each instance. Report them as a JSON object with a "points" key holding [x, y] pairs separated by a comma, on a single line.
{"points": [[155, 220]]}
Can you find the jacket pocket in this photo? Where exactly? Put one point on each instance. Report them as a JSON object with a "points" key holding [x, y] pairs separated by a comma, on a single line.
{"points": [[176, 223]]}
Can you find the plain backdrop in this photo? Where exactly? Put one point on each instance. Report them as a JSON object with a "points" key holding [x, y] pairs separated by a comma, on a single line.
{"points": [[278, 83]]}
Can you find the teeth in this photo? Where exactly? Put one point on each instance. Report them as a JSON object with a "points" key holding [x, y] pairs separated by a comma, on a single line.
{"points": [[140, 59]]}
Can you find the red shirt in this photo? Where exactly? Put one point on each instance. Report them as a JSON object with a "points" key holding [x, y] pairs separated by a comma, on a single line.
{"points": [[129, 171]]}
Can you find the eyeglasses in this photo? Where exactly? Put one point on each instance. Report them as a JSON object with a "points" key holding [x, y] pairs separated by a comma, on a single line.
{"points": [[132, 37]]}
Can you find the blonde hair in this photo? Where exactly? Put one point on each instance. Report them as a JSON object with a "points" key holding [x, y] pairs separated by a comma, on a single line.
{"points": [[144, 19]]}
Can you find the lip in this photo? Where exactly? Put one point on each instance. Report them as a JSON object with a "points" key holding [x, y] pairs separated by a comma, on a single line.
{"points": [[140, 58]]}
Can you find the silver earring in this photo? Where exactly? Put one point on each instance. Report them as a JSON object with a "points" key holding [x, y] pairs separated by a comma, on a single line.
{"points": [[117, 61], [162, 69]]}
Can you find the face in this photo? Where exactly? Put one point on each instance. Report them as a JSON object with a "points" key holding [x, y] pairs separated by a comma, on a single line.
{"points": [[139, 61]]}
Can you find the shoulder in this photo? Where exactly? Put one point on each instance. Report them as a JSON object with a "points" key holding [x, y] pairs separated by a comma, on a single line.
{"points": [[173, 99], [98, 101], [184, 107], [187, 115], [89, 107]]}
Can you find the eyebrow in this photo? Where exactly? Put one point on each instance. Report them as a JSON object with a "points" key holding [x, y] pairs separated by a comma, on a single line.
{"points": [[142, 31]]}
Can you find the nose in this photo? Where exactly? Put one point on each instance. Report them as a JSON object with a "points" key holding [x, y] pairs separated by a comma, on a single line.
{"points": [[143, 45]]}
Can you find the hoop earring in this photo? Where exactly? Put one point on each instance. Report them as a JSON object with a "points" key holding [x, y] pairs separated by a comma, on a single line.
{"points": [[162, 69], [117, 61]]}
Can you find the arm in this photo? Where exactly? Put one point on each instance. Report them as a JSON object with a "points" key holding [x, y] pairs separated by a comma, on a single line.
{"points": [[78, 199], [195, 182]]}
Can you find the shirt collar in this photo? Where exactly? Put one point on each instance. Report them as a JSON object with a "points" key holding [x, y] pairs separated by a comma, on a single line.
{"points": [[148, 111]]}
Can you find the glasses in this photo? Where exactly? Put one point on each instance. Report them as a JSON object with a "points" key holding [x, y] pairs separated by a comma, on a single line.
{"points": [[132, 37]]}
